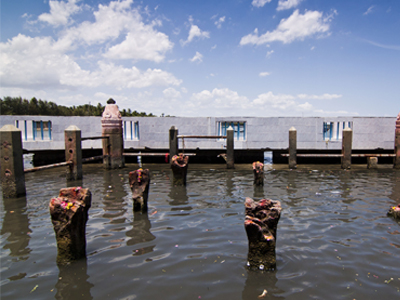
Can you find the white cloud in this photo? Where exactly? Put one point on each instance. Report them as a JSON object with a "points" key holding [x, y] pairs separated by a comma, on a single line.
{"points": [[260, 3], [319, 97], [197, 57], [269, 53], [171, 93], [60, 12], [219, 22], [219, 98], [287, 4], [195, 32], [280, 101], [263, 74], [296, 27], [369, 10]]}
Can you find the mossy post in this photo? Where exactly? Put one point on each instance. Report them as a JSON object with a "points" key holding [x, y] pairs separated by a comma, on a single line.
{"points": [[12, 167], [73, 152], [173, 142], [397, 144], [292, 148], [113, 146], [230, 155], [346, 148]]}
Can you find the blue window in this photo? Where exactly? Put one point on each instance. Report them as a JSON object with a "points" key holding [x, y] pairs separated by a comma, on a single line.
{"points": [[238, 127]]}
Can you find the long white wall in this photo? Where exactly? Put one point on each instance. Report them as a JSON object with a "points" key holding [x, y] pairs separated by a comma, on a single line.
{"points": [[260, 133]]}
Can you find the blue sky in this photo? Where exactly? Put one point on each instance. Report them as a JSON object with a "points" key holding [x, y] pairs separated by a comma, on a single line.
{"points": [[206, 58]]}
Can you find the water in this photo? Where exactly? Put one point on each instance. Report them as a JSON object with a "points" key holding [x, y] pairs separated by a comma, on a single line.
{"points": [[334, 240]]}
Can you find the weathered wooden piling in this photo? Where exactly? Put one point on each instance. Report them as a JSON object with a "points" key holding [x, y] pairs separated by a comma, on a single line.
{"points": [[397, 144], [261, 224], [347, 141], [173, 142], [372, 162], [230, 155], [73, 152], [69, 214], [113, 147], [258, 171], [139, 181], [179, 166], [394, 212], [11, 163], [292, 148]]}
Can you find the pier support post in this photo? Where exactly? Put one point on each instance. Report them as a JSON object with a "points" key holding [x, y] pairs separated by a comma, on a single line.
{"points": [[292, 148], [139, 181], [179, 166], [173, 142], [372, 162], [69, 214], [347, 140], [12, 167], [230, 155], [261, 223], [397, 144], [73, 152], [258, 171], [113, 147]]}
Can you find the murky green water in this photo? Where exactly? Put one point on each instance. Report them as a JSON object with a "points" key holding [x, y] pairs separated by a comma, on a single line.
{"points": [[334, 240]]}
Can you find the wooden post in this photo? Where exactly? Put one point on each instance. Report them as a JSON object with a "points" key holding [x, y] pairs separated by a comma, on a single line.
{"points": [[73, 152], [12, 167], [113, 147], [372, 162], [173, 142], [346, 148], [397, 144], [292, 148], [230, 155]]}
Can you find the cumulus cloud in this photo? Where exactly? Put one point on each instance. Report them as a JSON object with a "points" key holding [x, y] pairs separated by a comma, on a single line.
{"points": [[319, 97], [219, 98], [263, 74], [195, 32], [297, 27], [287, 4], [60, 12], [197, 57], [171, 93], [260, 3]]}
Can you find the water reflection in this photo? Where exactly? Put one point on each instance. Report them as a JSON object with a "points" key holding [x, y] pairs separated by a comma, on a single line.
{"points": [[229, 182], [140, 233], [257, 282], [114, 195], [16, 224], [73, 281], [179, 197]]}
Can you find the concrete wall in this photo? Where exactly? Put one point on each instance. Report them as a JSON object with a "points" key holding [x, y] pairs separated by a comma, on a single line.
{"points": [[261, 133]]}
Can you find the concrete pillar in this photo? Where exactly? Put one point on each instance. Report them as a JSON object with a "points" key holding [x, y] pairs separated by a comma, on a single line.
{"points": [[113, 147], [372, 162], [292, 148], [73, 152], [230, 155], [347, 140], [11, 162], [397, 144], [173, 142]]}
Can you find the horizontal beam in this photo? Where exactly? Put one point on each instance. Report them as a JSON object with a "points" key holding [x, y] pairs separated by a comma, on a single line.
{"points": [[155, 154], [48, 167], [94, 138], [201, 136], [340, 155]]}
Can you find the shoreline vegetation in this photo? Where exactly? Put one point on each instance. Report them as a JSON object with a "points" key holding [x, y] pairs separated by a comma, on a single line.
{"points": [[23, 107]]}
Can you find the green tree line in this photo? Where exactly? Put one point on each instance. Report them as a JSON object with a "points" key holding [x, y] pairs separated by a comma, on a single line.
{"points": [[21, 107]]}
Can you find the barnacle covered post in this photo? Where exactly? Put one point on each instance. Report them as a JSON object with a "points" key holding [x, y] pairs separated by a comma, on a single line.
{"points": [[139, 181], [261, 224], [258, 170], [397, 144], [113, 145], [69, 214], [394, 212], [179, 166]]}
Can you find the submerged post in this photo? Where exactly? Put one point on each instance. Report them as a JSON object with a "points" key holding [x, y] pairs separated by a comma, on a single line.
{"points": [[230, 155], [12, 168], [179, 166], [73, 152], [139, 181], [113, 146], [372, 162], [292, 148], [346, 148], [261, 223], [397, 144], [173, 142], [69, 214], [258, 171]]}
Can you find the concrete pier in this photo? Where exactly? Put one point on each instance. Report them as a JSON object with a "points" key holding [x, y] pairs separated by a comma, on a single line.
{"points": [[11, 164], [73, 152], [397, 144], [292, 148], [347, 140], [230, 155], [113, 147]]}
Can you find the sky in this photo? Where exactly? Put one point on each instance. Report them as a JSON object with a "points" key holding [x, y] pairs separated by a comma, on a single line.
{"points": [[206, 58]]}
